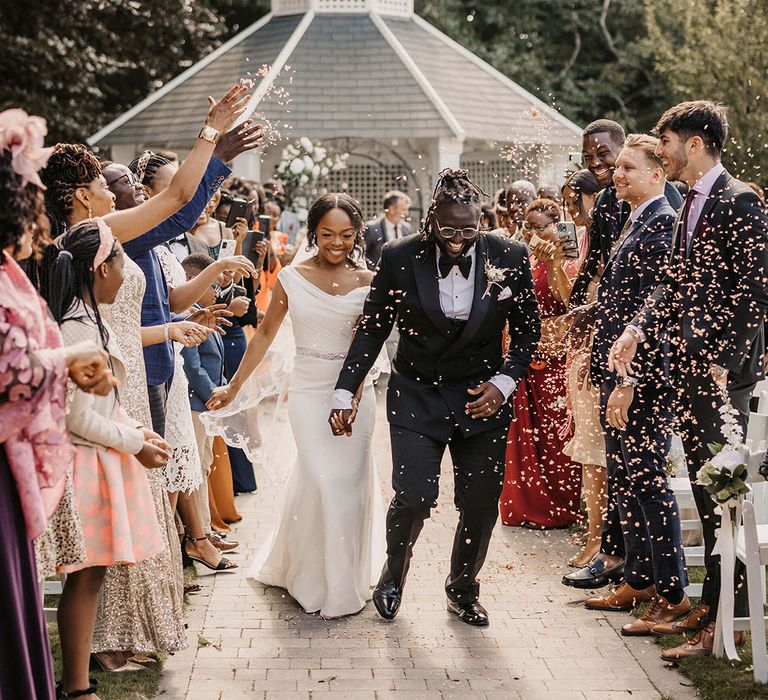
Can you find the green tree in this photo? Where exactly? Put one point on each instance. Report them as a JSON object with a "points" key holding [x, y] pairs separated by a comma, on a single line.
{"points": [[588, 58], [81, 63], [716, 49]]}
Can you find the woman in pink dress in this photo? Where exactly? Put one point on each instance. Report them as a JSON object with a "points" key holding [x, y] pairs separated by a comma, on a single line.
{"points": [[541, 484], [34, 442]]}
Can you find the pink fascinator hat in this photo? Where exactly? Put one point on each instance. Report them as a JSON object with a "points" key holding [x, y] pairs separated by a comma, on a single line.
{"points": [[23, 135]]}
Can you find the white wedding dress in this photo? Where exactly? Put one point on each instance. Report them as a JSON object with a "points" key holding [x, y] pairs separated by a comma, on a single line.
{"points": [[328, 543]]}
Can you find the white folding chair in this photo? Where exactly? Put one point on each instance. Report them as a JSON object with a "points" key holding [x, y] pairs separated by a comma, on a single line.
{"points": [[752, 549], [51, 587]]}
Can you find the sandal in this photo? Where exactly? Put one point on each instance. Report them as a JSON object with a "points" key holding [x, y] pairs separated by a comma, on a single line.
{"points": [[221, 544], [223, 565], [90, 690]]}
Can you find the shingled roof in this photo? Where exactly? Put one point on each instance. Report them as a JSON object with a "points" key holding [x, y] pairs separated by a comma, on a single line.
{"points": [[361, 75]]}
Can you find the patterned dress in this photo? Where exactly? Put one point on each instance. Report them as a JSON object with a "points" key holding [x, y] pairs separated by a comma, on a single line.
{"points": [[140, 607]]}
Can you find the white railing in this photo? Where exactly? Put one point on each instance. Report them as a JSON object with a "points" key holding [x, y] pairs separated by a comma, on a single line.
{"points": [[394, 8]]}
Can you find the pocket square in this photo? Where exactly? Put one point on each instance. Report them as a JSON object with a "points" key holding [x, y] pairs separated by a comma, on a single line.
{"points": [[505, 294]]}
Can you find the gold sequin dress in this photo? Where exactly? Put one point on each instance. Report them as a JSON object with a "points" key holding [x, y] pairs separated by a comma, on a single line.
{"points": [[140, 606]]}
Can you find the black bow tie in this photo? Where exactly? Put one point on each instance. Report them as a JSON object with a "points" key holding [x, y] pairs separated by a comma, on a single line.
{"points": [[446, 264]]}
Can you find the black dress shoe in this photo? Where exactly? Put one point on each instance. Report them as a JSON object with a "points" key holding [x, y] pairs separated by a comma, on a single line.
{"points": [[594, 575], [472, 613], [386, 599]]}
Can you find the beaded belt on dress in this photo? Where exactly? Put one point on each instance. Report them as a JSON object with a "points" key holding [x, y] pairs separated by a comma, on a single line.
{"points": [[318, 355]]}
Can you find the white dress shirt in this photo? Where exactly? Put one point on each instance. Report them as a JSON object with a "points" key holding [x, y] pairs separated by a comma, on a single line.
{"points": [[634, 215], [456, 297], [389, 230]]}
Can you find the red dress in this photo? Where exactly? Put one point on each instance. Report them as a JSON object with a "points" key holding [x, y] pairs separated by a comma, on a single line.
{"points": [[542, 485]]}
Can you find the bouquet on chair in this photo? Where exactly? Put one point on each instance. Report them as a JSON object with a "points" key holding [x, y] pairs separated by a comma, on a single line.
{"points": [[724, 476]]}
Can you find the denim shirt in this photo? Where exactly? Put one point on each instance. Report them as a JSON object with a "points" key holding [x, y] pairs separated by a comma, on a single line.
{"points": [[155, 308]]}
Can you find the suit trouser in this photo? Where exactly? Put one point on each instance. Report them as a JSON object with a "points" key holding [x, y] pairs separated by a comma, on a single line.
{"points": [[205, 449], [700, 423], [649, 517], [478, 471]]}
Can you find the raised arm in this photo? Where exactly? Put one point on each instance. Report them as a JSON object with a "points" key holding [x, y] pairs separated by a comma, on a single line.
{"points": [[184, 295], [128, 224], [256, 350]]}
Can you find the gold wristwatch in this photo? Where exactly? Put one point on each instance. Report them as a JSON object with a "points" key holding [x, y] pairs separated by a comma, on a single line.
{"points": [[209, 134]]}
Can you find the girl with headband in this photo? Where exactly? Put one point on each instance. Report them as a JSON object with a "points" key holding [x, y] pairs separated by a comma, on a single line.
{"points": [[111, 512]]}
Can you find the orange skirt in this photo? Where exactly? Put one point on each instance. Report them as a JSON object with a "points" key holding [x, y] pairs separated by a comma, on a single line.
{"points": [[115, 506]]}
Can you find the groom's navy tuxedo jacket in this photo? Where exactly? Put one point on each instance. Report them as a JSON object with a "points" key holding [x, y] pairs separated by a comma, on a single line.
{"points": [[631, 273], [437, 359]]}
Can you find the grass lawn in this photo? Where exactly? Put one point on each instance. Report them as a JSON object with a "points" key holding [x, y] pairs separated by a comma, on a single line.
{"points": [[718, 679], [133, 685]]}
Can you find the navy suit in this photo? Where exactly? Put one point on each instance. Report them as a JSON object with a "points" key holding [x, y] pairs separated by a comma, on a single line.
{"points": [[640, 498], [204, 367], [713, 301]]}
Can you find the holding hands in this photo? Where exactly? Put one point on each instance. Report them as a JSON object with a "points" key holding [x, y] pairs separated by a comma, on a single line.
{"points": [[489, 401], [88, 367]]}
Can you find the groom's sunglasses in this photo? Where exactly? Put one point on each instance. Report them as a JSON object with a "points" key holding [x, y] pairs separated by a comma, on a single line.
{"points": [[466, 233]]}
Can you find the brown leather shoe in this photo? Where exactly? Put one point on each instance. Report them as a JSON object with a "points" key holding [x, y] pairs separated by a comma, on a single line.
{"points": [[699, 645], [660, 611], [622, 598], [690, 624]]}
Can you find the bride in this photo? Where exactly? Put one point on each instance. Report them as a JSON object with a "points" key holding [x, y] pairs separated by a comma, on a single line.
{"points": [[328, 542]]}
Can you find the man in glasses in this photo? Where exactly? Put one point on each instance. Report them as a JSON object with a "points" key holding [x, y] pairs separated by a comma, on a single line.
{"points": [[451, 292]]}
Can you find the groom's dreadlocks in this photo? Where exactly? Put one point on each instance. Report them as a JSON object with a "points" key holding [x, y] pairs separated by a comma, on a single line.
{"points": [[452, 186]]}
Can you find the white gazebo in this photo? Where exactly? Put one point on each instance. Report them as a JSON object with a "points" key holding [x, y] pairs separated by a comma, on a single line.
{"points": [[368, 77]]}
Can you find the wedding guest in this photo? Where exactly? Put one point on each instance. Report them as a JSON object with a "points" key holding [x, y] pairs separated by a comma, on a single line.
{"points": [[140, 607], [712, 301], [518, 196], [637, 412], [289, 223], [541, 484], [602, 142], [390, 226], [587, 446], [500, 212], [550, 191], [35, 447], [204, 367], [113, 506]]}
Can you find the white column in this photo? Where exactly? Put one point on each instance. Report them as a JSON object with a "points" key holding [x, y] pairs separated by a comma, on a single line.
{"points": [[446, 153], [248, 165], [123, 153]]}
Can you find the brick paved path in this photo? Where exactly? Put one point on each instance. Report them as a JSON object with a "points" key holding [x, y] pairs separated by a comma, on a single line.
{"points": [[541, 642]]}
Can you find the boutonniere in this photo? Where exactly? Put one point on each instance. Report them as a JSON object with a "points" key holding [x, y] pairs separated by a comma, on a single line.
{"points": [[495, 277]]}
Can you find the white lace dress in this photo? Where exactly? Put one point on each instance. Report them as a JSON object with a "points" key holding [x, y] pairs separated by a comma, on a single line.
{"points": [[183, 471]]}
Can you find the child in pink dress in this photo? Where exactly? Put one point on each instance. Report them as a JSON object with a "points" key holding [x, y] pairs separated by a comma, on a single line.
{"points": [[111, 494]]}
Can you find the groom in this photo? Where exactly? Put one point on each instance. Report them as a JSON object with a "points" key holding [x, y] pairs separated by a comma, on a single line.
{"points": [[451, 291]]}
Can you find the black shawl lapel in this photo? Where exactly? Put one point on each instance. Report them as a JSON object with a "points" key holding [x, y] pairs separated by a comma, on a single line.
{"points": [[425, 272], [481, 302]]}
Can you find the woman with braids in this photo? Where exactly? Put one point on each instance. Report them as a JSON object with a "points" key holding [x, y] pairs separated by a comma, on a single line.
{"points": [[541, 485], [451, 291], [35, 448], [112, 503], [328, 540]]}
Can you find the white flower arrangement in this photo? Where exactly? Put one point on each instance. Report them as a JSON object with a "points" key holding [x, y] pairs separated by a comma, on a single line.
{"points": [[724, 476], [301, 165], [495, 277]]}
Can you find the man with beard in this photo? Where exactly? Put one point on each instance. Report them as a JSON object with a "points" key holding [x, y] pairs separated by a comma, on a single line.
{"points": [[712, 300]]}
